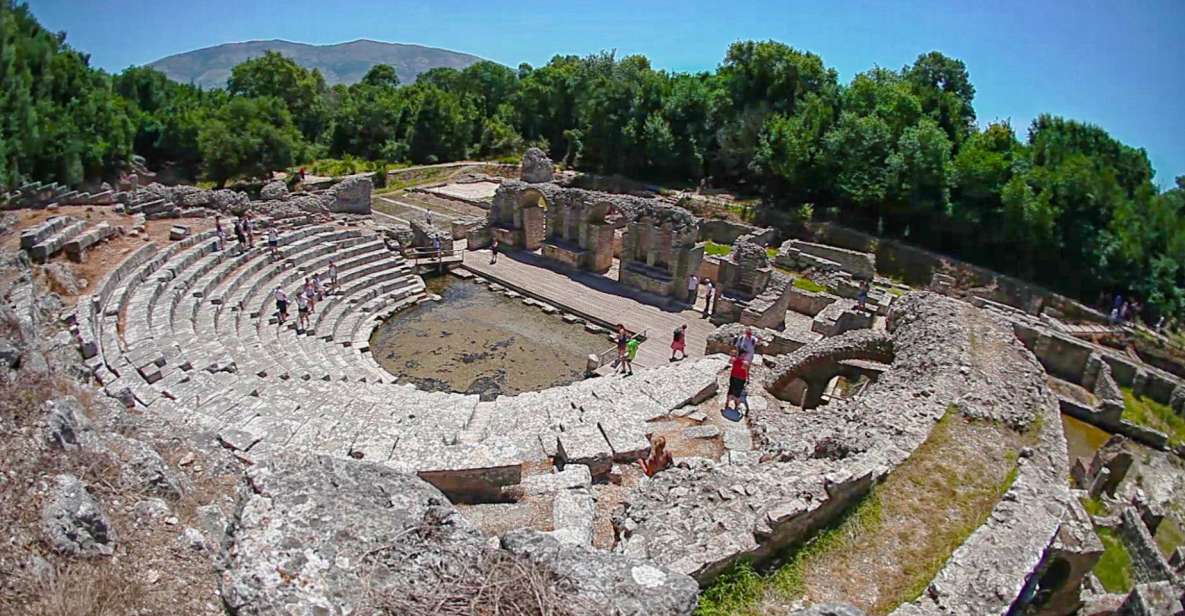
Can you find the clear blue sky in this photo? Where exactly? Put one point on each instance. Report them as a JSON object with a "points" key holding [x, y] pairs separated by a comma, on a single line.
{"points": [[1117, 64]]}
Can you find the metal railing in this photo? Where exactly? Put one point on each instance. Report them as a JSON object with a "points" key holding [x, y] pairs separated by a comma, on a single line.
{"points": [[609, 355]]}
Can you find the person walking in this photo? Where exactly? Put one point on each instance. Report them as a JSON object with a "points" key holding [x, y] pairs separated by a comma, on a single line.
{"points": [[738, 377], [622, 338], [631, 351], [302, 312], [679, 342], [692, 289], [249, 229], [708, 296], [220, 233], [746, 345], [281, 305], [862, 294], [333, 276], [494, 251], [273, 242], [318, 288], [310, 294], [240, 236]]}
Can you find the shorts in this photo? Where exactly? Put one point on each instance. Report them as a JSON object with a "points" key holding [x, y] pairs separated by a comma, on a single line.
{"points": [[282, 306], [303, 310], [735, 386], [273, 243]]}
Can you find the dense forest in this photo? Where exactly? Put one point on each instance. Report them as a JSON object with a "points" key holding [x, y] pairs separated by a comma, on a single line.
{"points": [[898, 152]]}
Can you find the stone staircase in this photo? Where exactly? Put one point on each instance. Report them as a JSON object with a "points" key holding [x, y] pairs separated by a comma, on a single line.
{"points": [[189, 332]]}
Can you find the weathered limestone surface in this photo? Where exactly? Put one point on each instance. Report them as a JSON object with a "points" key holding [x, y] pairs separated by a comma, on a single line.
{"points": [[350, 196], [273, 191], [324, 535], [700, 516], [73, 523], [604, 583], [537, 167]]}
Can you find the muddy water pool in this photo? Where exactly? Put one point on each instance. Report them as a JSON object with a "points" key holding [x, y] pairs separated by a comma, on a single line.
{"points": [[481, 342]]}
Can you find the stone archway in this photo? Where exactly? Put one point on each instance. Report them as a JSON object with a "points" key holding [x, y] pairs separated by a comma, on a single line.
{"points": [[530, 216], [802, 376]]}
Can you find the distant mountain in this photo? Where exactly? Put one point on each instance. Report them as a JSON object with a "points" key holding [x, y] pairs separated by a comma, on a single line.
{"points": [[342, 63]]}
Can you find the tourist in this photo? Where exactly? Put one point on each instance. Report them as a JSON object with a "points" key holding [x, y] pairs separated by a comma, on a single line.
{"points": [[692, 289], [746, 345], [318, 288], [494, 251], [679, 342], [249, 229], [333, 276], [302, 312], [631, 351], [428, 217], [708, 296], [281, 305], [273, 242], [659, 459], [436, 246], [310, 294], [622, 338], [862, 294], [240, 236], [737, 378]]}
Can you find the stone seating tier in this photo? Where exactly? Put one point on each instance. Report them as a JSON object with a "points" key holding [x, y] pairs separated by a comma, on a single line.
{"points": [[263, 389]]}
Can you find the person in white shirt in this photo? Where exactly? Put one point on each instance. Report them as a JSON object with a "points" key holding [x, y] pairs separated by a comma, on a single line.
{"points": [[692, 289], [318, 288]]}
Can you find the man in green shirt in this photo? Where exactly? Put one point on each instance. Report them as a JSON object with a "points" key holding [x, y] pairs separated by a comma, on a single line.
{"points": [[631, 351]]}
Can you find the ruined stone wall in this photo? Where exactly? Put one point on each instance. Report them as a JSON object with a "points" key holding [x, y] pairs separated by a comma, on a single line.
{"points": [[700, 517], [917, 267]]}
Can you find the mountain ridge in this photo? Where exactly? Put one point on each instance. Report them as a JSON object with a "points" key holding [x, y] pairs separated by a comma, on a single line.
{"points": [[210, 67]]}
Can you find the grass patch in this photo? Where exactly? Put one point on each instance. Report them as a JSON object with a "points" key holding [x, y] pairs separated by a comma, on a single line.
{"points": [[1114, 567], [806, 284], [885, 550], [1149, 413], [1169, 536], [717, 250], [1094, 506], [771, 252]]}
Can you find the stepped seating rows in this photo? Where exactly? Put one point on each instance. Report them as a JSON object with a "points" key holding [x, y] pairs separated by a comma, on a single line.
{"points": [[37, 195], [189, 332]]}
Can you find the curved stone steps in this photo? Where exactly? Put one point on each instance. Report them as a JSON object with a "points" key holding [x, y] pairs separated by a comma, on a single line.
{"points": [[255, 302]]}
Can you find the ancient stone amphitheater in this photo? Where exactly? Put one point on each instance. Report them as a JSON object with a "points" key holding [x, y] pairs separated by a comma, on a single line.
{"points": [[361, 494]]}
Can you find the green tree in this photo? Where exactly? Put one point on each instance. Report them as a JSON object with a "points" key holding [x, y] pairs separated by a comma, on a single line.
{"points": [[274, 75], [946, 93], [381, 76], [249, 137]]}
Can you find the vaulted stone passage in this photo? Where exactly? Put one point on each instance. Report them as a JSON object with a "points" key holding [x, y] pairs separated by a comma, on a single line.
{"points": [[802, 376]]}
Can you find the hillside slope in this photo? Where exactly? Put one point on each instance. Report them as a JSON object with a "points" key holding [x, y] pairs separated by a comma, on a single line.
{"points": [[341, 63]]}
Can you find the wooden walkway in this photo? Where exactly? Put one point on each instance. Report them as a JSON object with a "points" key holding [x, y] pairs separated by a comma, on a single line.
{"points": [[594, 296]]}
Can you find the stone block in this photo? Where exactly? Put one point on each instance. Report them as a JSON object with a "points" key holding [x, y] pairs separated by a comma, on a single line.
{"points": [[628, 442], [585, 445], [573, 476], [701, 432]]}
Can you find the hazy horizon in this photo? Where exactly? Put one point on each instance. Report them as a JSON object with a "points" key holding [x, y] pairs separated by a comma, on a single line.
{"points": [[1116, 66]]}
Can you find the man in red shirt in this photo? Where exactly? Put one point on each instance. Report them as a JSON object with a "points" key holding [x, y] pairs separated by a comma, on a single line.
{"points": [[738, 377]]}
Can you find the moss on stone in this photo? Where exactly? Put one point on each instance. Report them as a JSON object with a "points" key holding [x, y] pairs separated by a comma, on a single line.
{"points": [[1149, 413], [1114, 567]]}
